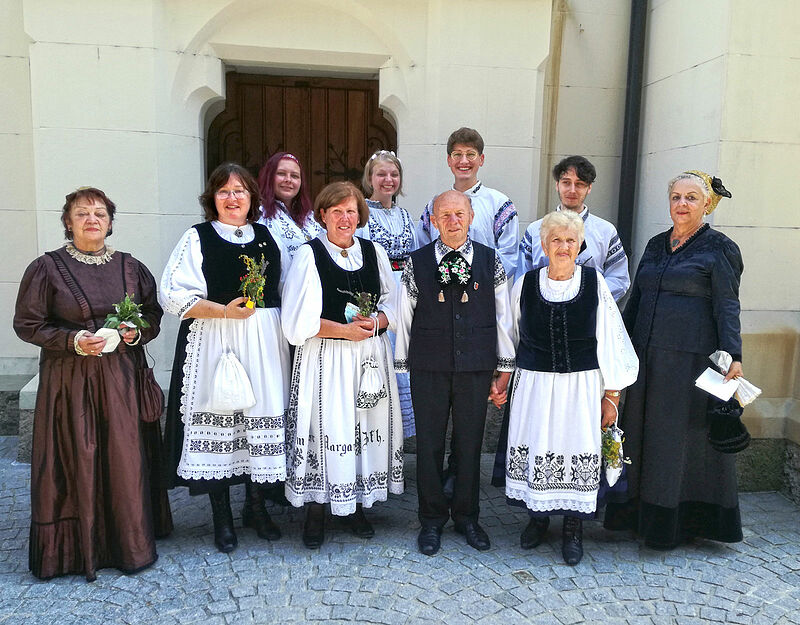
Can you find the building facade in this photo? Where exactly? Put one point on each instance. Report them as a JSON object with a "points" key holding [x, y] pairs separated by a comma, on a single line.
{"points": [[122, 95]]}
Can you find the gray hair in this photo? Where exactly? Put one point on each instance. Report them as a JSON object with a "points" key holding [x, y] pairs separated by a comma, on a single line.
{"points": [[693, 178], [561, 219]]}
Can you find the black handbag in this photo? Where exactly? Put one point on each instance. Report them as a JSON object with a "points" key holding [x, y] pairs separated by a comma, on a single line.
{"points": [[726, 433]]}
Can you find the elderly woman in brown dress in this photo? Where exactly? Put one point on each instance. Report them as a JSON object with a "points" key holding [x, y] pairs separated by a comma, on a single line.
{"points": [[92, 505]]}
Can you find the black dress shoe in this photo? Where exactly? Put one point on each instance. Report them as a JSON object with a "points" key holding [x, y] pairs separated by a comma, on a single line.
{"points": [[255, 515], [476, 537], [572, 540], [314, 527], [224, 536], [533, 535], [359, 525], [429, 539]]}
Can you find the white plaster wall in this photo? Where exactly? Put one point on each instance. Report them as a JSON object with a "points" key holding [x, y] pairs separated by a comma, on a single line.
{"points": [[720, 95], [17, 201], [591, 98], [761, 148]]}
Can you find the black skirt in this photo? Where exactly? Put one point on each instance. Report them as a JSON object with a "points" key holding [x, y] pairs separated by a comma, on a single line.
{"points": [[679, 487]]}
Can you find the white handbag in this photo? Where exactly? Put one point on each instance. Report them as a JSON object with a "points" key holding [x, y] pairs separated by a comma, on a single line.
{"points": [[371, 386], [231, 390], [613, 465]]}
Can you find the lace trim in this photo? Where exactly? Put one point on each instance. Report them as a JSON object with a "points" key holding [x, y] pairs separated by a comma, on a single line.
{"points": [[401, 365], [545, 505], [442, 250], [88, 259], [343, 509], [683, 245], [256, 476], [77, 338]]}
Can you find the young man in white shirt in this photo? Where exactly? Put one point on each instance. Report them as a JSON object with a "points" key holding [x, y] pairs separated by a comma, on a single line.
{"points": [[496, 224], [602, 249]]}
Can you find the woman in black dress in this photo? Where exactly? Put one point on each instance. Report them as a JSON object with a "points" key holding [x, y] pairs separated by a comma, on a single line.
{"points": [[684, 305], [211, 448]]}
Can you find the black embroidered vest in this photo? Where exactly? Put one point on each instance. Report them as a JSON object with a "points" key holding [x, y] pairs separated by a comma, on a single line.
{"points": [[559, 337], [454, 335], [222, 266], [334, 279]]}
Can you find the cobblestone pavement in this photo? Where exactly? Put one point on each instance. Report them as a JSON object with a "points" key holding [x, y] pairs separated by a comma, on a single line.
{"points": [[385, 580]]}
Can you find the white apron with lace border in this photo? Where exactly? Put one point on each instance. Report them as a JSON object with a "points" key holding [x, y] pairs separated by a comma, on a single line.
{"points": [[554, 437], [339, 454], [252, 442]]}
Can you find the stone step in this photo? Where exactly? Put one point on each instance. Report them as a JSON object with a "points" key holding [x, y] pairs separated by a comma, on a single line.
{"points": [[10, 386]]}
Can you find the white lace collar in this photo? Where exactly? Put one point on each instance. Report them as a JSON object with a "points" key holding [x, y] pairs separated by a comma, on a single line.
{"points": [[88, 259]]}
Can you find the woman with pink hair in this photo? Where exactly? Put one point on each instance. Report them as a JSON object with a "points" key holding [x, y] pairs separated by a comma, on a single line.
{"points": [[286, 207]]}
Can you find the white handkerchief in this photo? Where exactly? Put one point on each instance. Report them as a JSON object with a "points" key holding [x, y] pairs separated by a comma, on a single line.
{"points": [[111, 335], [712, 382]]}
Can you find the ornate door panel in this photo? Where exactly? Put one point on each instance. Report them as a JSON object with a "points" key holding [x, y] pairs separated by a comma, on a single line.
{"points": [[332, 125]]}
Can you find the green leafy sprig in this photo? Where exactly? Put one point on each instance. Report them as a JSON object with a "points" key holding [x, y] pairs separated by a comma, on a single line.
{"points": [[367, 302], [254, 280], [612, 450], [128, 313]]}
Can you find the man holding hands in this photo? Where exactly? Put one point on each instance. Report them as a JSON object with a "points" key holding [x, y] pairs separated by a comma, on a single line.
{"points": [[453, 332]]}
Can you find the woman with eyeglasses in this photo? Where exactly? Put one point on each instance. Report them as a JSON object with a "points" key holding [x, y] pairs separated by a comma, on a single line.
{"points": [[211, 449], [390, 226]]}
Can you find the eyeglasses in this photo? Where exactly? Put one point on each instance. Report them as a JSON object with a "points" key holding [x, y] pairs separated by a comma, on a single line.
{"points": [[471, 156], [224, 194]]}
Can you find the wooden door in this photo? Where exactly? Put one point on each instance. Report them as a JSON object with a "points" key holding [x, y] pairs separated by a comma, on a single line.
{"points": [[332, 125]]}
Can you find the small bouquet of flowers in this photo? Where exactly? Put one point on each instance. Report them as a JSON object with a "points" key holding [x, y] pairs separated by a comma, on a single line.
{"points": [[127, 313], [611, 450], [253, 281], [364, 305]]}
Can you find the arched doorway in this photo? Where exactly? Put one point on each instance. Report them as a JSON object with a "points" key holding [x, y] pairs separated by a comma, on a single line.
{"points": [[332, 125]]}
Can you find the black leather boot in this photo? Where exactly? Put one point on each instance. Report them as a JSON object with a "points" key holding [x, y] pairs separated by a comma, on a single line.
{"points": [[533, 535], [255, 515], [224, 536], [276, 494], [314, 527], [358, 523], [572, 540]]}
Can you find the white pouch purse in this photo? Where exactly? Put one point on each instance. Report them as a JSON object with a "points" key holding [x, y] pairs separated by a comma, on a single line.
{"points": [[371, 386], [231, 390], [613, 463]]}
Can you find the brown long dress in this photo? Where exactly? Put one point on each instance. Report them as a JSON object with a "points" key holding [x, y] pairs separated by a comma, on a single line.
{"points": [[92, 505]]}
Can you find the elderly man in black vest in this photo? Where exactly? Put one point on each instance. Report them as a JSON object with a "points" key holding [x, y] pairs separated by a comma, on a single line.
{"points": [[453, 331]]}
